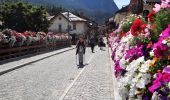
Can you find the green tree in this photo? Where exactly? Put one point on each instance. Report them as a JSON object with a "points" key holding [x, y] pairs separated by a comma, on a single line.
{"points": [[23, 16]]}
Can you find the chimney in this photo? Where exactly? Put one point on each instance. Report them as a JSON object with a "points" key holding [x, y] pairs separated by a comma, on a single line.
{"points": [[81, 14]]}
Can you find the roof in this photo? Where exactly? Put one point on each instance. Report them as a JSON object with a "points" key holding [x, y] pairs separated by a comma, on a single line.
{"points": [[123, 9], [154, 1], [72, 17], [50, 17], [111, 19]]}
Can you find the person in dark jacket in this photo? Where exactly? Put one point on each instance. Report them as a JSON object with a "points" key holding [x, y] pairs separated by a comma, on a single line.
{"points": [[81, 48], [92, 44], [100, 43]]}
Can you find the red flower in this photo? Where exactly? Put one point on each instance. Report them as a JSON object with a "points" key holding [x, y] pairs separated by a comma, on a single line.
{"points": [[150, 16], [124, 34], [149, 45], [26, 34], [143, 28], [15, 34], [153, 27], [33, 34], [136, 27]]}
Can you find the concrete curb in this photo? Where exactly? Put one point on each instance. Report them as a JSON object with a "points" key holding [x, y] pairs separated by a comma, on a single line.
{"points": [[20, 66], [115, 84]]}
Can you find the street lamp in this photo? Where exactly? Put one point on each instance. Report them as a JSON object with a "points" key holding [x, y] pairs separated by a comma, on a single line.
{"points": [[68, 23], [69, 27]]}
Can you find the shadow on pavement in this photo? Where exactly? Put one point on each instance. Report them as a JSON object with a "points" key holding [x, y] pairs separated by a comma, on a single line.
{"points": [[82, 66]]}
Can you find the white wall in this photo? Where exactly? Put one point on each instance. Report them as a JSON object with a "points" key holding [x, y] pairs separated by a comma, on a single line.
{"points": [[81, 28], [54, 27]]}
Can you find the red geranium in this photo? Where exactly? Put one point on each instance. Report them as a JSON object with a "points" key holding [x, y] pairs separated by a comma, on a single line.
{"points": [[14, 33], [26, 34], [136, 27], [34, 34], [143, 27], [149, 45], [150, 16]]}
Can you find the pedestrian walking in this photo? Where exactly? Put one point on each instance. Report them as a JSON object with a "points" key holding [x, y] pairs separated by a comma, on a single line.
{"points": [[92, 44], [100, 43], [81, 48]]}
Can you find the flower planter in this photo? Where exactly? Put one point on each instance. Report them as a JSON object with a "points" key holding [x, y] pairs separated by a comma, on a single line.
{"points": [[142, 66]]}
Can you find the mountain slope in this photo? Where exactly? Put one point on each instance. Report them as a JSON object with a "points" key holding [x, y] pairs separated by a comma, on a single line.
{"points": [[99, 10]]}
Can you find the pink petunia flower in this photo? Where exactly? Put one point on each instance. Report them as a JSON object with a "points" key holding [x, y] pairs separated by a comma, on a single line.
{"points": [[134, 53], [154, 87], [118, 68], [159, 49], [166, 69], [157, 8], [165, 33], [164, 4], [157, 83]]}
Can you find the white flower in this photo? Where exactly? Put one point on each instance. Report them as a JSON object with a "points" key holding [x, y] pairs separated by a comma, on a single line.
{"points": [[140, 16], [168, 44], [145, 66], [137, 77], [169, 84], [155, 96], [135, 64], [132, 91], [164, 42], [127, 79], [144, 80], [123, 63], [141, 84], [154, 76], [151, 53]]}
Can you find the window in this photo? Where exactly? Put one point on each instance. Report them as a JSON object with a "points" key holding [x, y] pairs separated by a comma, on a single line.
{"points": [[59, 27], [68, 27], [74, 26], [59, 18]]}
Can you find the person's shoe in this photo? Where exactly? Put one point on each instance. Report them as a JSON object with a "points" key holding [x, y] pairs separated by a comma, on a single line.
{"points": [[80, 63]]}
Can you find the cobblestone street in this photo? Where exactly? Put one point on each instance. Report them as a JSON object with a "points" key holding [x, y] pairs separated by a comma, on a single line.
{"points": [[58, 78], [95, 83]]}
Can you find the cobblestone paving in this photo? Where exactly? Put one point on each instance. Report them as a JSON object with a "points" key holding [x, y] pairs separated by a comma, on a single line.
{"points": [[37, 81], [95, 83]]}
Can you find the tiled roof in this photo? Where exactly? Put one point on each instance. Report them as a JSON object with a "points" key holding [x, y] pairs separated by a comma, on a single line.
{"points": [[72, 17], [153, 0], [123, 9]]}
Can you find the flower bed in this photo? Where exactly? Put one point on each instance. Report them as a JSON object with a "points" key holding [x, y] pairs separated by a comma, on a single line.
{"points": [[141, 54], [11, 38]]}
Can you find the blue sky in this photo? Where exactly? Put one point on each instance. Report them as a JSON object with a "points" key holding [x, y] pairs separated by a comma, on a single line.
{"points": [[121, 3]]}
